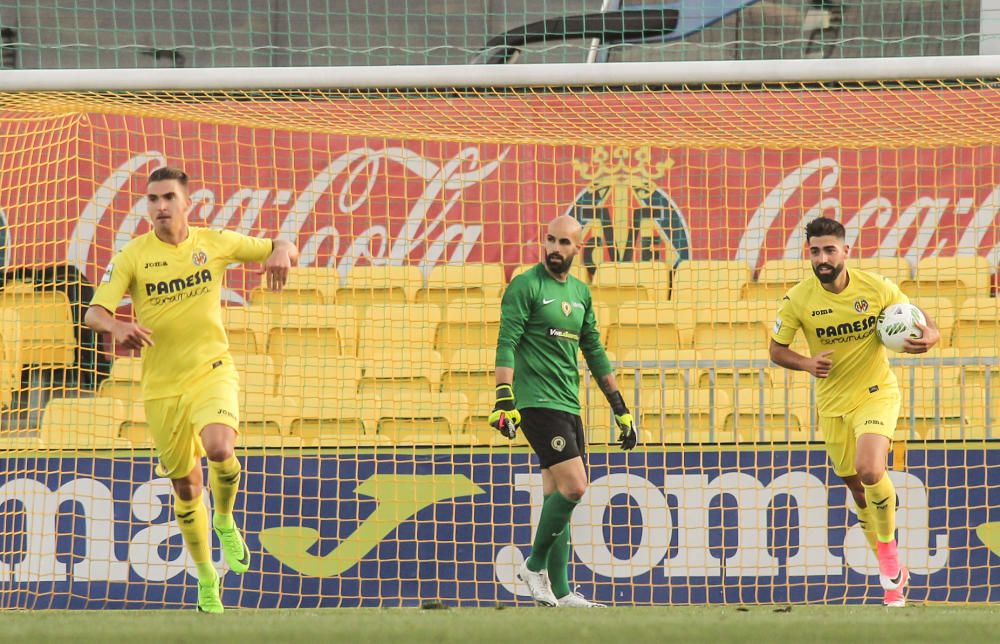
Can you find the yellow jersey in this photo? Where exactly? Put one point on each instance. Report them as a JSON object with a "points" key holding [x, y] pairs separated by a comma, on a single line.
{"points": [[176, 291], [845, 324]]}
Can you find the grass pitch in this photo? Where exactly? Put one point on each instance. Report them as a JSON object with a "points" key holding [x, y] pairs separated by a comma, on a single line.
{"points": [[750, 625]]}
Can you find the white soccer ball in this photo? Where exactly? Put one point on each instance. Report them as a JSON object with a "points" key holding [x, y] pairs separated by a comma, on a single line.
{"points": [[897, 323]]}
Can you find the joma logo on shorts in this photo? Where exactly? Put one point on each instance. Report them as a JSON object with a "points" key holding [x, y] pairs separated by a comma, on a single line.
{"points": [[226, 412], [872, 421], [163, 288]]}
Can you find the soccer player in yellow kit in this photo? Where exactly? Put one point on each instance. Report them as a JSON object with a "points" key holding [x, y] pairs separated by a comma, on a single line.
{"points": [[190, 386], [856, 392]]}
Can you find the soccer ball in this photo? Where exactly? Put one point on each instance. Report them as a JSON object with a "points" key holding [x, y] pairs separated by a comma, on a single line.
{"points": [[897, 323]]}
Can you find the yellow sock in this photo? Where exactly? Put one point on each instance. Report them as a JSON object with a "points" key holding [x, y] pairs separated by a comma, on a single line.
{"points": [[224, 479], [193, 520], [868, 527], [881, 500]]}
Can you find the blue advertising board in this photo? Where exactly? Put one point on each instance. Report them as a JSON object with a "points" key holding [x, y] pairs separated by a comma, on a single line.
{"points": [[398, 528]]}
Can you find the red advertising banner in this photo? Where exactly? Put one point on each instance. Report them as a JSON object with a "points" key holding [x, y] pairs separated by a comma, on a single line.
{"points": [[71, 191]]}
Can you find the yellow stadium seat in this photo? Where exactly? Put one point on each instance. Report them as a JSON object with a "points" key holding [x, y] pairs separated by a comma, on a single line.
{"points": [[647, 326], [260, 404], [337, 422], [895, 268], [731, 368], [317, 331], [617, 283], [934, 405], [672, 417], [708, 283], [83, 423], [10, 355], [308, 377], [956, 278], [12, 444], [776, 277], [305, 285], [769, 415], [379, 285], [247, 326], [942, 311], [668, 375], [733, 329], [135, 429], [417, 370], [46, 326], [397, 327], [124, 383], [975, 376], [977, 324], [577, 270], [468, 325], [449, 282], [417, 418]]}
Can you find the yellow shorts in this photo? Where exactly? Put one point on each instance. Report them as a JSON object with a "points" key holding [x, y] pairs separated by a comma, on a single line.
{"points": [[175, 423], [877, 415]]}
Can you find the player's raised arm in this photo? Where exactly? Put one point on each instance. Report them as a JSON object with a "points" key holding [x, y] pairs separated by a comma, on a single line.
{"points": [[283, 256]]}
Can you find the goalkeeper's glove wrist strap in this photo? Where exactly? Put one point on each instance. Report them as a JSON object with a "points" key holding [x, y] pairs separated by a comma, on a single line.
{"points": [[617, 403], [505, 397]]}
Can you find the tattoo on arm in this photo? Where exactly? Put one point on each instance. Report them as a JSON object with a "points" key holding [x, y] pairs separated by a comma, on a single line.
{"points": [[607, 384]]}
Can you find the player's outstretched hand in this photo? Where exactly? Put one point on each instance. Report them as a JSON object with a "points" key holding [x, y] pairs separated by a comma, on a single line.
{"points": [[628, 436], [928, 339], [277, 265], [820, 365], [132, 336], [505, 417]]}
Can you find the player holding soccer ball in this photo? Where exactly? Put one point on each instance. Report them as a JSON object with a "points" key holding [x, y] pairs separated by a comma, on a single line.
{"points": [[856, 392], [546, 318], [190, 386]]}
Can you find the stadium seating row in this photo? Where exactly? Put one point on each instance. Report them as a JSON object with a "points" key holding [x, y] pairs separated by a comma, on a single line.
{"points": [[678, 396], [693, 282]]}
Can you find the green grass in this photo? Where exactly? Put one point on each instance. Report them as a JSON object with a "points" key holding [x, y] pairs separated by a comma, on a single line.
{"points": [[752, 625]]}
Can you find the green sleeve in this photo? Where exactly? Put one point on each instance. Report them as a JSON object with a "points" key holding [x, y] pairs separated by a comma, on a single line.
{"points": [[515, 308], [590, 344]]}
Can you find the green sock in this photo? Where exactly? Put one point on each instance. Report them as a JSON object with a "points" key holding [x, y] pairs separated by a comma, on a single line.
{"points": [[558, 564], [556, 512]]}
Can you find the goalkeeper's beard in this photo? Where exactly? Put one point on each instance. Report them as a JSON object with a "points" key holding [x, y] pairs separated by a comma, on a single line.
{"points": [[557, 264]]}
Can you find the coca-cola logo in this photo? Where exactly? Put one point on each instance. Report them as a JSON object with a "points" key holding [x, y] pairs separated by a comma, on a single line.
{"points": [[911, 230], [424, 236]]}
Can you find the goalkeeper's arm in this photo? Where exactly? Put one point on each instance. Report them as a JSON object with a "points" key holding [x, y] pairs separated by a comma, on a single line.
{"points": [[627, 437]]}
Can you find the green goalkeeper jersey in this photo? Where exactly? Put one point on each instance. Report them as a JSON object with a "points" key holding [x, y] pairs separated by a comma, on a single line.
{"points": [[543, 324]]}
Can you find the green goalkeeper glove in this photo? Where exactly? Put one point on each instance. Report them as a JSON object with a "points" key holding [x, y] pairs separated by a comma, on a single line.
{"points": [[628, 436], [505, 417]]}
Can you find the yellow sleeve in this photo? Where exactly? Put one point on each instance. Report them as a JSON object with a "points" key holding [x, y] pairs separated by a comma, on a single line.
{"points": [[787, 322], [891, 294], [115, 283], [244, 248]]}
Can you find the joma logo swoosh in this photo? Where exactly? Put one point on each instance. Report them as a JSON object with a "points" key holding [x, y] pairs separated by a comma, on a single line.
{"points": [[399, 497]]}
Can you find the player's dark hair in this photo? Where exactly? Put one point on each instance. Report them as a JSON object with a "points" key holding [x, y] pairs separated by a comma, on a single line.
{"points": [[822, 226], [167, 173]]}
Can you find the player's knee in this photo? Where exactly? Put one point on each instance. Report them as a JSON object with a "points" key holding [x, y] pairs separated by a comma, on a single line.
{"points": [[186, 489], [870, 473], [574, 491], [219, 452]]}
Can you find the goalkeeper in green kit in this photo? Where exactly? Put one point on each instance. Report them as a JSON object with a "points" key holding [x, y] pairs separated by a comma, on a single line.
{"points": [[546, 316]]}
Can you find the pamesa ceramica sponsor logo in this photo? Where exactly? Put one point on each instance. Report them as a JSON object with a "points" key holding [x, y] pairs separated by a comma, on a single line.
{"points": [[625, 211]]}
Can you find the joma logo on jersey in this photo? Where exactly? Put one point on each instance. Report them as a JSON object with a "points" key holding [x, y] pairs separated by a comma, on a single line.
{"points": [[846, 328], [173, 286], [822, 312], [155, 265]]}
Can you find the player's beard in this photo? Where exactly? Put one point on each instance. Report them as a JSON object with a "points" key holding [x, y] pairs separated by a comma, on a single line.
{"points": [[557, 264], [831, 277]]}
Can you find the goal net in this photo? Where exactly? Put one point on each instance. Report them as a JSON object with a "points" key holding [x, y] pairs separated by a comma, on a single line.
{"points": [[370, 474]]}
